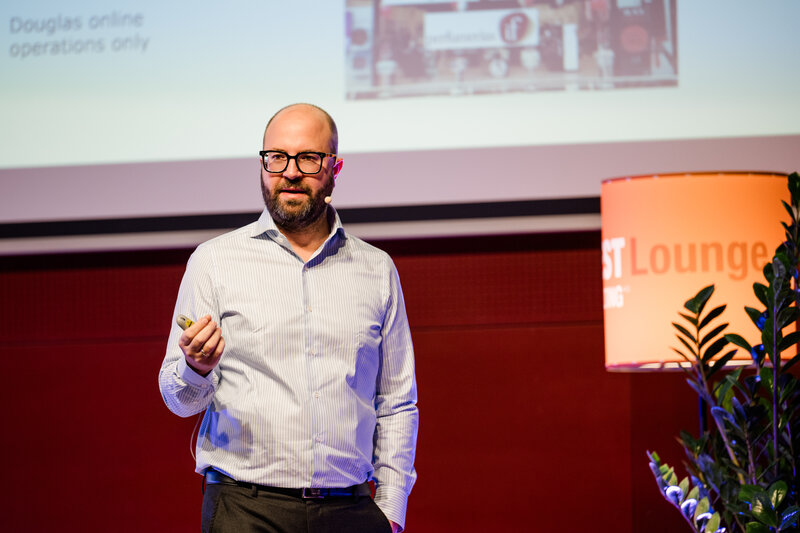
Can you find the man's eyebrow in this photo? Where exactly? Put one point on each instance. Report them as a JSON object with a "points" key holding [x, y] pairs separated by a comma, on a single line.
{"points": [[299, 151]]}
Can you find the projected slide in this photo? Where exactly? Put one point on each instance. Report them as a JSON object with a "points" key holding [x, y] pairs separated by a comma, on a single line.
{"points": [[145, 109], [401, 48]]}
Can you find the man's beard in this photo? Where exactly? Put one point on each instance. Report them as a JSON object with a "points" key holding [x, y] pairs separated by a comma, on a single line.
{"points": [[288, 216]]}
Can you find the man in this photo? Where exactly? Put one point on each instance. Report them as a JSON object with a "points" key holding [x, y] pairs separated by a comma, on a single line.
{"points": [[300, 356]]}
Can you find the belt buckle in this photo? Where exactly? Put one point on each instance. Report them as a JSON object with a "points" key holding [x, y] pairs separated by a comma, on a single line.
{"points": [[312, 492]]}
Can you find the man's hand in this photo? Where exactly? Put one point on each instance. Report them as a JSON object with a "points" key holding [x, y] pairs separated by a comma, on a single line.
{"points": [[202, 345]]}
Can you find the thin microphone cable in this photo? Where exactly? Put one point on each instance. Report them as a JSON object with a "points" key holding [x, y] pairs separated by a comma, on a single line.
{"points": [[195, 434]]}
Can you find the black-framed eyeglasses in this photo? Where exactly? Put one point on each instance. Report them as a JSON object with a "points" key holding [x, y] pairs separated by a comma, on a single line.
{"points": [[307, 162]]}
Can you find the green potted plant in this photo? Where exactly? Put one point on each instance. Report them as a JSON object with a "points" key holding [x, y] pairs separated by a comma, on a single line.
{"points": [[743, 470]]}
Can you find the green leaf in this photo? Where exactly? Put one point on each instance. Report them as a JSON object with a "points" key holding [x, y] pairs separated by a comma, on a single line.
{"points": [[787, 313], [702, 507], [777, 492], [766, 333], [713, 523], [693, 494], [789, 340], [714, 313], [748, 492], [688, 346], [715, 348], [694, 446], [762, 510], [790, 363], [722, 388], [794, 188], [739, 341], [788, 208], [677, 351], [745, 387], [713, 333], [672, 479], [768, 274], [684, 486], [760, 291], [720, 363], [788, 391], [692, 320], [755, 527], [784, 420], [696, 304], [766, 377], [769, 348], [684, 331], [755, 316], [768, 322], [724, 391]]}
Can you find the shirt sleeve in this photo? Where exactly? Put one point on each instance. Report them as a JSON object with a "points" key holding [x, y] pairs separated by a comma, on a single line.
{"points": [[396, 409], [186, 392]]}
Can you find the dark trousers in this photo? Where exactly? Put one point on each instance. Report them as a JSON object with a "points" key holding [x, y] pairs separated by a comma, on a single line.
{"points": [[237, 509]]}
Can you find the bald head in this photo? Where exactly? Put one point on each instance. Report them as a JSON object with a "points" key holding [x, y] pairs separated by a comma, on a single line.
{"points": [[304, 110], [296, 200]]}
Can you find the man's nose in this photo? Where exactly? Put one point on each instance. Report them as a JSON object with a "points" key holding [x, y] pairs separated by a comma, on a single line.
{"points": [[292, 172]]}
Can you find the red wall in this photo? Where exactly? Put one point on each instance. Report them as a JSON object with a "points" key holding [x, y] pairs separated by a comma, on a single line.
{"points": [[521, 427]]}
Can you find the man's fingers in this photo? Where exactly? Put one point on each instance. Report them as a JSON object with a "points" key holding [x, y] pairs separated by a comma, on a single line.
{"points": [[209, 347], [193, 341], [202, 345], [220, 348], [191, 332], [197, 326], [203, 337]]}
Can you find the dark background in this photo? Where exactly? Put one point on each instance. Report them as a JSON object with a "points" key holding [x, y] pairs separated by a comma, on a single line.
{"points": [[521, 427]]}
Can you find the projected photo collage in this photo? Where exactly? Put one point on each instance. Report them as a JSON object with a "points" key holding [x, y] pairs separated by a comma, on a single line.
{"points": [[407, 48]]}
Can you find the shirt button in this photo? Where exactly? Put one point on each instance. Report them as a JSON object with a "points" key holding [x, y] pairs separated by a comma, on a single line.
{"points": [[316, 394], [309, 308]]}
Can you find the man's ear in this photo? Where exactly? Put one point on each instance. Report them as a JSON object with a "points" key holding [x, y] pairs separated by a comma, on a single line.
{"points": [[337, 167]]}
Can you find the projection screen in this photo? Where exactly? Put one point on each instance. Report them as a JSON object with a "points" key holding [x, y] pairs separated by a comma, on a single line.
{"points": [[136, 124]]}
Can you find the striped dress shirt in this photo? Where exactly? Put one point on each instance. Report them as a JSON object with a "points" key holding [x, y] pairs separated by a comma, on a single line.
{"points": [[316, 386]]}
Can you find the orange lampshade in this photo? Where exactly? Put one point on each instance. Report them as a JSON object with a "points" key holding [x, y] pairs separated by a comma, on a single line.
{"points": [[666, 237]]}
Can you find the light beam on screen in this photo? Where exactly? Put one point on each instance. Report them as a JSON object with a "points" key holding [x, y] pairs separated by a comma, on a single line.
{"points": [[148, 109]]}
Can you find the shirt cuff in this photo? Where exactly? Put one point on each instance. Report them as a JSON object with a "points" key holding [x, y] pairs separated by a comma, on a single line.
{"points": [[187, 374], [392, 501]]}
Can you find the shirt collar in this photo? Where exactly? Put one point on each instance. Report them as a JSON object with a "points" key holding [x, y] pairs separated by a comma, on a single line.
{"points": [[265, 224]]}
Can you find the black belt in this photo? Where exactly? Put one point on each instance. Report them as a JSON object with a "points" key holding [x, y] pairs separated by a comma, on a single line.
{"points": [[215, 477]]}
